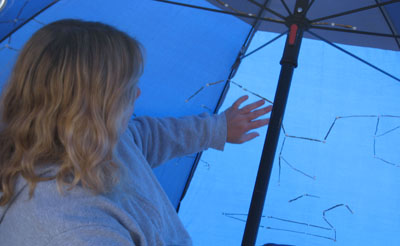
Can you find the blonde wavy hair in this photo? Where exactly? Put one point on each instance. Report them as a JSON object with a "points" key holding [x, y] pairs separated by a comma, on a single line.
{"points": [[64, 105]]}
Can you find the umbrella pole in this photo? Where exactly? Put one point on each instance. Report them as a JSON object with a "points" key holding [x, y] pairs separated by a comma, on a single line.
{"points": [[297, 24]]}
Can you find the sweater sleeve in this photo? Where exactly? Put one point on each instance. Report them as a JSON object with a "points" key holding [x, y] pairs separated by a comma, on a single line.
{"points": [[162, 139]]}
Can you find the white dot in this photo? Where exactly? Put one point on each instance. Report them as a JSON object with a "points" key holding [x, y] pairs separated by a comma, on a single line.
{"points": [[333, 24], [226, 5]]}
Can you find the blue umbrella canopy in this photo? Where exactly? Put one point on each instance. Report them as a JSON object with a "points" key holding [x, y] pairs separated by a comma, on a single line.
{"points": [[356, 164], [330, 22], [192, 56]]}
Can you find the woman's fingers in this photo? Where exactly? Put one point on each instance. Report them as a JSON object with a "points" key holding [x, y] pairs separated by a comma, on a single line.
{"points": [[239, 101], [248, 108], [259, 112], [248, 137], [257, 124], [241, 121]]}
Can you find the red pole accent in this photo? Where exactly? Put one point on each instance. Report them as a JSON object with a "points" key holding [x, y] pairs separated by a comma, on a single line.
{"points": [[293, 34]]}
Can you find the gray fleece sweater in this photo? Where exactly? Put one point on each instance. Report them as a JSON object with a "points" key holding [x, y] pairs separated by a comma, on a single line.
{"points": [[136, 212]]}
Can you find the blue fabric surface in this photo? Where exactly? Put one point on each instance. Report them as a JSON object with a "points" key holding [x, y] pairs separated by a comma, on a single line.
{"points": [[393, 11], [342, 170], [357, 165]]}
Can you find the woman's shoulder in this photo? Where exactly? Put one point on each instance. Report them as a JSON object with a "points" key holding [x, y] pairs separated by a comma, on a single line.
{"points": [[49, 213]]}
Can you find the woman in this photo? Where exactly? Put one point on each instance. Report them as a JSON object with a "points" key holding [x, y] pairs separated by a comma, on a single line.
{"points": [[73, 169]]}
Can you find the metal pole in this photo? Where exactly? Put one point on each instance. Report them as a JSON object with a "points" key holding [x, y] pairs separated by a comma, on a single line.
{"points": [[297, 23]]}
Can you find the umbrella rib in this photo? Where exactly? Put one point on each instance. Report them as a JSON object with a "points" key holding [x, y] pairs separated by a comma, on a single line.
{"points": [[248, 40], [388, 23], [253, 29], [21, 9], [286, 7], [354, 56], [356, 31], [264, 45], [223, 94], [355, 10], [268, 9], [255, 26], [27, 20], [251, 16], [308, 7], [230, 7], [203, 8]]}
